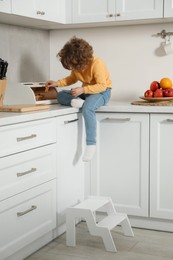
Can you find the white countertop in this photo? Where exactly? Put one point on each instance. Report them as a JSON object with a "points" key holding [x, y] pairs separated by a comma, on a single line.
{"points": [[7, 118], [125, 106]]}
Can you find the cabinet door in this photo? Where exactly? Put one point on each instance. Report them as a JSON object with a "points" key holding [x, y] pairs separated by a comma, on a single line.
{"points": [[120, 168], [27, 10], [21, 137], [39, 9], [168, 8], [22, 171], [5, 6], [27, 217], [161, 166], [138, 9], [70, 168], [93, 11]]}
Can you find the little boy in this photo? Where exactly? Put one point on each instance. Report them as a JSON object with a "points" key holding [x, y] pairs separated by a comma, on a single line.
{"points": [[94, 92]]}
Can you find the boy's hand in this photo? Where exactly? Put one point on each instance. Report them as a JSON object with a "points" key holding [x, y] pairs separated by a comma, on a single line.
{"points": [[50, 84], [77, 91]]}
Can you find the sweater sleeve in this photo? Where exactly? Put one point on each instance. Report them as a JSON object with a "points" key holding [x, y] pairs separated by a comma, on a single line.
{"points": [[101, 79], [67, 81]]}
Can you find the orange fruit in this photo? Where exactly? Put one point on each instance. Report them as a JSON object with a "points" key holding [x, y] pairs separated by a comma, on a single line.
{"points": [[166, 83]]}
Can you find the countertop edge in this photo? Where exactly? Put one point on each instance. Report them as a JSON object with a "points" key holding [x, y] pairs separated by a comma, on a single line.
{"points": [[8, 118]]}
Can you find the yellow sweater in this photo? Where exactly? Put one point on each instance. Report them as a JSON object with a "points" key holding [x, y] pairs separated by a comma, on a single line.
{"points": [[95, 77]]}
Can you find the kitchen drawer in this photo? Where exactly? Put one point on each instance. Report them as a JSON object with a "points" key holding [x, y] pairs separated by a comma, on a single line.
{"points": [[25, 170], [26, 217], [24, 136]]}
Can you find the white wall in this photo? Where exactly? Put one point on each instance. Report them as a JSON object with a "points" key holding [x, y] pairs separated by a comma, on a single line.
{"points": [[132, 54], [27, 52]]}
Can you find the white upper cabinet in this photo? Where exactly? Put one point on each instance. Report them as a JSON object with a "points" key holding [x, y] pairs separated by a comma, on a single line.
{"points": [[138, 9], [93, 10], [5, 6], [39, 9], [168, 8], [115, 10]]}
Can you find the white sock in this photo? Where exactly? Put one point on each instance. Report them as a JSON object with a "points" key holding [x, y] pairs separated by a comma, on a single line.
{"points": [[89, 153], [77, 102]]}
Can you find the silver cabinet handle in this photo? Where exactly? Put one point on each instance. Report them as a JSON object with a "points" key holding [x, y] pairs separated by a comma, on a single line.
{"points": [[110, 15], [170, 120], [19, 174], [118, 14], [19, 139], [70, 121], [41, 12], [19, 214], [117, 119]]}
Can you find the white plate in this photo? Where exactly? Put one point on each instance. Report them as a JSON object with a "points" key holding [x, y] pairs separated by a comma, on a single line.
{"points": [[155, 99]]}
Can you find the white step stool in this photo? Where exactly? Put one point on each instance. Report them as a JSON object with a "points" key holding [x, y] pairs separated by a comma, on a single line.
{"points": [[87, 210]]}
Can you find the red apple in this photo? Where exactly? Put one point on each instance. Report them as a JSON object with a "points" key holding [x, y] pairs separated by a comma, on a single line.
{"points": [[168, 92], [154, 85], [149, 93], [158, 93]]}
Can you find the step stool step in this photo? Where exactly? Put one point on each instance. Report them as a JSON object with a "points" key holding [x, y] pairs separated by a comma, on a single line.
{"points": [[111, 221], [92, 203]]}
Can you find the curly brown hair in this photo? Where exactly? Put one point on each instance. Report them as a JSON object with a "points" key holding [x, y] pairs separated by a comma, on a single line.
{"points": [[76, 54]]}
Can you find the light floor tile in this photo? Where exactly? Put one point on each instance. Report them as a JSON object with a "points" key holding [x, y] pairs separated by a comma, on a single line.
{"points": [[145, 245]]}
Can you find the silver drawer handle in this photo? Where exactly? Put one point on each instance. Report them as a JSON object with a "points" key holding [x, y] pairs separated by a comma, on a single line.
{"points": [[19, 214], [19, 174], [170, 120], [19, 139], [117, 119], [70, 121]]}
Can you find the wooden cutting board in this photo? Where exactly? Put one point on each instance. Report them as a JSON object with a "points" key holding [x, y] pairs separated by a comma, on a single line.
{"points": [[23, 108], [147, 103]]}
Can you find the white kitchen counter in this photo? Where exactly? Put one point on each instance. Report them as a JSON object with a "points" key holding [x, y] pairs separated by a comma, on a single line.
{"points": [[126, 107], [7, 118]]}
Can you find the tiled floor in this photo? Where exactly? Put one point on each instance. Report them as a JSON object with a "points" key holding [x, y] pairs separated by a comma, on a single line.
{"points": [[145, 245]]}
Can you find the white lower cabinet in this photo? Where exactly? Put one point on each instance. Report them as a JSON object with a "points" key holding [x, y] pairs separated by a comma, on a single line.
{"points": [[27, 185], [26, 217], [41, 174], [161, 166], [19, 172], [120, 168], [70, 168], [133, 165]]}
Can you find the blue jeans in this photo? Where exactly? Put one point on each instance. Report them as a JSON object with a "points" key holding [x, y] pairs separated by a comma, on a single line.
{"points": [[91, 104]]}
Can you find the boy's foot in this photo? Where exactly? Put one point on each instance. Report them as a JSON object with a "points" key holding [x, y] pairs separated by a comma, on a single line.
{"points": [[77, 102], [89, 153]]}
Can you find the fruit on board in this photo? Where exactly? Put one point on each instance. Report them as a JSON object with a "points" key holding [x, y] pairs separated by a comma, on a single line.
{"points": [[165, 83], [168, 92], [154, 85], [158, 93], [149, 93]]}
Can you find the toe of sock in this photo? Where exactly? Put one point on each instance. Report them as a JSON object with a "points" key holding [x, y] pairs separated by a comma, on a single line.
{"points": [[89, 153]]}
